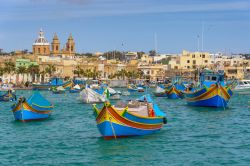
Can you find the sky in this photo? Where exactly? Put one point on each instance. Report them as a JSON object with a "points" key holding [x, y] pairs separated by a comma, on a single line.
{"points": [[169, 26]]}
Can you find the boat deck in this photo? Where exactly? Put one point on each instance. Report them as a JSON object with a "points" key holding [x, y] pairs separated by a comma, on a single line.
{"points": [[137, 108]]}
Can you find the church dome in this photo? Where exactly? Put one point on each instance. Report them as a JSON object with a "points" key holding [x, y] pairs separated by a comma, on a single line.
{"points": [[41, 40]]}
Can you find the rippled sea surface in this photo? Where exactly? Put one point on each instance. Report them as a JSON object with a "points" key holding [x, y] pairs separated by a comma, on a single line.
{"points": [[193, 136]]}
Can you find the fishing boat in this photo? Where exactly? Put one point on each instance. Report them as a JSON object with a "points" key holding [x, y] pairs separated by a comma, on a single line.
{"points": [[125, 93], [160, 91], [174, 90], [55, 82], [132, 88], [88, 95], [36, 107], [136, 118], [211, 93], [140, 89], [75, 89], [58, 90], [8, 95]]}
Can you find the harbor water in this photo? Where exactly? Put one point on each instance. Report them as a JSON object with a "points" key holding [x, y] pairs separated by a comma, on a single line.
{"points": [[193, 136]]}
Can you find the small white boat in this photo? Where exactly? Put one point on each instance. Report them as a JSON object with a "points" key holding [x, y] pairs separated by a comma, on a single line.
{"points": [[115, 97], [243, 85], [88, 95], [125, 93]]}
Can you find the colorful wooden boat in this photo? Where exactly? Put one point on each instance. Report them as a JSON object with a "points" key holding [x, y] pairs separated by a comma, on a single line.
{"points": [[55, 82], [215, 96], [174, 93], [212, 91], [132, 88], [75, 89], [116, 122], [58, 90], [8, 96], [160, 91], [88, 95], [140, 89], [36, 107]]}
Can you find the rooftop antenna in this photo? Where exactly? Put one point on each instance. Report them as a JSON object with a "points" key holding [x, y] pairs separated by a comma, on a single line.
{"points": [[155, 43], [202, 36], [198, 43]]}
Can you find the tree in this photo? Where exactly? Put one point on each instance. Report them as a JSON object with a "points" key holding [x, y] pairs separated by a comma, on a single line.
{"points": [[152, 53], [78, 71], [95, 74], [165, 61], [123, 73], [50, 69], [42, 73], [21, 70], [140, 54], [33, 70], [9, 68], [140, 74], [87, 73]]}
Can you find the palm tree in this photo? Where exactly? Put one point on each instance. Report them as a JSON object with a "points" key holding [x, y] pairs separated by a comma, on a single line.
{"points": [[95, 74], [1, 71], [140, 74], [33, 70], [78, 71], [50, 69], [123, 73], [9, 68], [21, 70], [87, 73], [42, 73]]}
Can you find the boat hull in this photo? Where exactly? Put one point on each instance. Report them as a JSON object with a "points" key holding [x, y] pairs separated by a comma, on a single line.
{"points": [[112, 130], [24, 112], [215, 96], [160, 94], [27, 115], [113, 124], [65, 85], [173, 93]]}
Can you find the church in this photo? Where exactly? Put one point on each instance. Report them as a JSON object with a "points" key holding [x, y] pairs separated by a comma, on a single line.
{"points": [[42, 47]]}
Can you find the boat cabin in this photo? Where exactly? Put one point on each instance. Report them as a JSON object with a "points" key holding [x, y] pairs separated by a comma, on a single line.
{"points": [[209, 78]]}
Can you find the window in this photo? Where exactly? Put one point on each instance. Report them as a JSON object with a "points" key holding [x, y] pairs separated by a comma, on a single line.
{"points": [[193, 56], [194, 62], [188, 61], [188, 67], [203, 56], [71, 48], [214, 78], [38, 50], [57, 48], [44, 50], [205, 61]]}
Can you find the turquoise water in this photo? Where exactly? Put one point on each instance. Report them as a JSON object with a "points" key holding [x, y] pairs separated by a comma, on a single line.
{"points": [[193, 136]]}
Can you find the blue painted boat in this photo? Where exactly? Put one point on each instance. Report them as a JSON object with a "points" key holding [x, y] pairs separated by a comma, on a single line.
{"points": [[212, 91], [132, 88], [55, 82], [175, 91], [58, 90], [116, 122], [8, 96], [36, 107], [74, 90]]}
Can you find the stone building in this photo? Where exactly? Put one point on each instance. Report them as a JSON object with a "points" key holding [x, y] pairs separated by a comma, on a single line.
{"points": [[42, 47]]}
